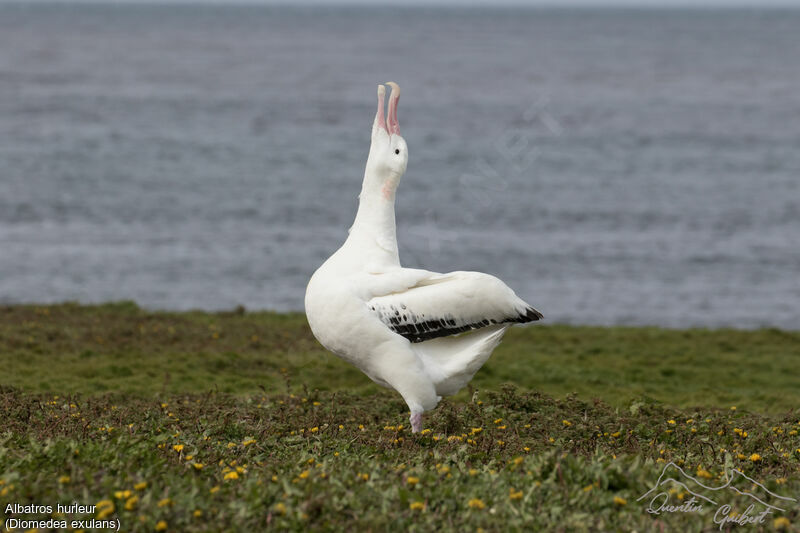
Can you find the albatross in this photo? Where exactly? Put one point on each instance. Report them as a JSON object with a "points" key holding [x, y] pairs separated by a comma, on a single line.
{"points": [[424, 334]]}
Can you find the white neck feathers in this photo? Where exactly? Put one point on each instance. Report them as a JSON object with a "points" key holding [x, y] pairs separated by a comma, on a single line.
{"points": [[374, 225]]}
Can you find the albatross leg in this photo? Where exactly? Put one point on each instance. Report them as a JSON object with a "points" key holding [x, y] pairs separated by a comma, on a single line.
{"points": [[399, 366], [416, 422]]}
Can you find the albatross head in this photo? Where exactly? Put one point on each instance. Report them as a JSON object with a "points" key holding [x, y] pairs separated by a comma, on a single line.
{"points": [[388, 153]]}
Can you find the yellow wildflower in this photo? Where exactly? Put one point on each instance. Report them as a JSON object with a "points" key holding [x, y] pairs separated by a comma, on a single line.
{"points": [[197, 513], [417, 506], [161, 525], [214, 489], [755, 457], [671, 422], [566, 423], [178, 447], [104, 508], [165, 502], [411, 480], [476, 503], [130, 503], [64, 480], [473, 472], [280, 508], [703, 473], [198, 466], [231, 475], [304, 474], [781, 523], [620, 501], [514, 494]]}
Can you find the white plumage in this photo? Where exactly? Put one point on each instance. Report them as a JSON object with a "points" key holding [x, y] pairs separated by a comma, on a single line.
{"points": [[407, 329]]}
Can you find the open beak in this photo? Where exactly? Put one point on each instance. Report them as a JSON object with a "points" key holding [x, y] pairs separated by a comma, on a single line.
{"points": [[391, 116], [380, 122], [389, 124]]}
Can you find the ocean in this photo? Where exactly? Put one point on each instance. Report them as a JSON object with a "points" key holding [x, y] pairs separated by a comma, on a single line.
{"points": [[614, 167]]}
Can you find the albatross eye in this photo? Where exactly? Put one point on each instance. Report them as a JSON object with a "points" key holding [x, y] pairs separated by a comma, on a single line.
{"points": [[397, 151]]}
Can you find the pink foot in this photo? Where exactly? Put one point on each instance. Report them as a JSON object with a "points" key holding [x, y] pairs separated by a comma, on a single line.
{"points": [[416, 422]]}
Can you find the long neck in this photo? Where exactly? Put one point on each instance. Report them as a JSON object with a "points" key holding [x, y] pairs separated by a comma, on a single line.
{"points": [[374, 223]]}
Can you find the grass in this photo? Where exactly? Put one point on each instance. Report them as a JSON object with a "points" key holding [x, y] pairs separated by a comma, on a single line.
{"points": [[241, 422], [118, 347]]}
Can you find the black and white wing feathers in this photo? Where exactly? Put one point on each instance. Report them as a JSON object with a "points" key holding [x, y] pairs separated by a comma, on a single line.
{"points": [[448, 304]]}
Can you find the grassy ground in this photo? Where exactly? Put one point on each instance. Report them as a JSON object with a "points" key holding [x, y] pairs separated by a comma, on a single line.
{"points": [[240, 421], [94, 349]]}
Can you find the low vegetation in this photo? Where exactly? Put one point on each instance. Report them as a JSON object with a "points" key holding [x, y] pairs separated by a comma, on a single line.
{"points": [[241, 422]]}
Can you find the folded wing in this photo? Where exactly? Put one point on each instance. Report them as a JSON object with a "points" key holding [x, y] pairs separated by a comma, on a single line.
{"points": [[448, 304]]}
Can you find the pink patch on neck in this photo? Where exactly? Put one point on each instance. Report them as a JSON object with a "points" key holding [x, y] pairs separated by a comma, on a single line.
{"points": [[386, 192]]}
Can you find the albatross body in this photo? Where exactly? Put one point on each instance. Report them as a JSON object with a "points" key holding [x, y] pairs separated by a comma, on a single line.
{"points": [[421, 333]]}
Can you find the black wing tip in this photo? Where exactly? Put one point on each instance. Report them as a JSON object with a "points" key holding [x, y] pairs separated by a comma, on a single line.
{"points": [[433, 329], [533, 315]]}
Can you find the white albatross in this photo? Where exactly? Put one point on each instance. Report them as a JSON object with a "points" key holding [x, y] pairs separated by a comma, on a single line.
{"points": [[404, 328]]}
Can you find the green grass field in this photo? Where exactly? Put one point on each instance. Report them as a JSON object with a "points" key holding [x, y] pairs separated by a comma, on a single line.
{"points": [[242, 422]]}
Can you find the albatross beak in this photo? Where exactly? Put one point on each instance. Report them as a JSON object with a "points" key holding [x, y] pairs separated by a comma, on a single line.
{"points": [[380, 123], [391, 119]]}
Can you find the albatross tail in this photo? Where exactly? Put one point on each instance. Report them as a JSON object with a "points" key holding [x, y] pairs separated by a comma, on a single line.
{"points": [[452, 361]]}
